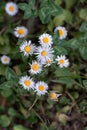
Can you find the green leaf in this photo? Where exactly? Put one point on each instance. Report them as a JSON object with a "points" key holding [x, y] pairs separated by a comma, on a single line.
{"points": [[64, 100], [10, 74], [83, 27], [31, 3], [54, 9], [60, 50], [83, 14], [83, 39], [85, 128], [12, 112], [69, 3], [85, 83], [27, 13], [6, 92], [83, 52], [75, 94], [22, 6], [5, 49], [63, 72], [47, 10], [44, 16], [2, 69], [7, 84], [4, 121], [20, 127], [68, 81], [72, 43]]}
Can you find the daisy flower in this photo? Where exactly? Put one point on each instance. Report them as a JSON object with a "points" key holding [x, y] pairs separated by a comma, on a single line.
{"points": [[5, 59], [54, 96], [41, 88], [49, 62], [26, 82], [44, 53], [20, 31], [45, 39], [62, 61], [11, 8], [27, 48], [36, 67], [62, 32]]}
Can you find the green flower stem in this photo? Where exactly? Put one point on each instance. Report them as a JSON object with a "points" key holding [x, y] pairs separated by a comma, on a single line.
{"points": [[41, 119], [73, 100], [33, 104]]}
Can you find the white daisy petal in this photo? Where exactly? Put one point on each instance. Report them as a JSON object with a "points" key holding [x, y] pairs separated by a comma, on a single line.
{"points": [[27, 48], [27, 82], [44, 53], [35, 67], [41, 88], [62, 61], [20, 31], [45, 39], [5, 59], [62, 32], [11, 8]]}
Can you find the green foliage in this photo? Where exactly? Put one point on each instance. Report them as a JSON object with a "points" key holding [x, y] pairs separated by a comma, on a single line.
{"points": [[4, 121], [19, 127], [19, 108]]}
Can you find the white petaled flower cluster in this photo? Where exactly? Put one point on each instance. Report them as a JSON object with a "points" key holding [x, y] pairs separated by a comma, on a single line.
{"points": [[11, 8], [44, 57], [5, 60], [28, 83]]}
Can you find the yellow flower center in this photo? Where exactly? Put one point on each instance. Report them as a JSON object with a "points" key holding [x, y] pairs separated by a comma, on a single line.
{"points": [[21, 31], [61, 33], [27, 49], [41, 87], [53, 96], [11, 8], [35, 67], [45, 39], [44, 53], [5, 59], [49, 61], [27, 83], [61, 61]]}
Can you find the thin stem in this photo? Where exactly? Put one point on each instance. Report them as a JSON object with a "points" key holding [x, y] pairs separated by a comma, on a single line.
{"points": [[79, 85], [33, 104], [41, 119], [73, 100]]}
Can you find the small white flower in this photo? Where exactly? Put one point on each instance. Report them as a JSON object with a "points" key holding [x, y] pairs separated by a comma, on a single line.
{"points": [[26, 82], [62, 32], [41, 88], [54, 96], [20, 31], [11, 8], [27, 48], [45, 39], [44, 53], [62, 61], [48, 62], [36, 67], [5, 59]]}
